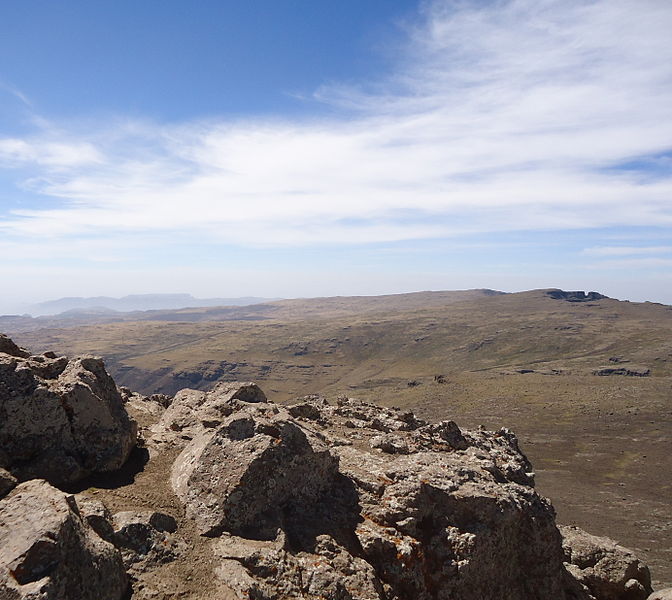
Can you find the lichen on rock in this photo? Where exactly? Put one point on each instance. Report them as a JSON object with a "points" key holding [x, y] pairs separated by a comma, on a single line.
{"points": [[60, 419], [49, 552]]}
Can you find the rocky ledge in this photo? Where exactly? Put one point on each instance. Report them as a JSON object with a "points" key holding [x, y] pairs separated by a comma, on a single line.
{"points": [[314, 500], [575, 296]]}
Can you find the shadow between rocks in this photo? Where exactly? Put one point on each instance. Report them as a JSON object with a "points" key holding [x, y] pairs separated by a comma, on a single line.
{"points": [[337, 514], [124, 476]]}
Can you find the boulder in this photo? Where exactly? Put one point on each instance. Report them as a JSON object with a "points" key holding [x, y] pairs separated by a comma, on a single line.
{"points": [[434, 523], [665, 594], [145, 539], [242, 477], [61, 419], [97, 516], [609, 571], [48, 552], [192, 411]]}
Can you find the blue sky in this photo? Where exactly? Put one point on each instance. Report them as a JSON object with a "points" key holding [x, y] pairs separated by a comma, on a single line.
{"points": [[304, 148]]}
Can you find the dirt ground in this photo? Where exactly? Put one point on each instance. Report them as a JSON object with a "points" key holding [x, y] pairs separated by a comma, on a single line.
{"points": [[144, 485]]}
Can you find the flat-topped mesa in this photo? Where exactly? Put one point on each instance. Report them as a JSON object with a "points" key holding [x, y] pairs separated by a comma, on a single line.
{"points": [[61, 419]]}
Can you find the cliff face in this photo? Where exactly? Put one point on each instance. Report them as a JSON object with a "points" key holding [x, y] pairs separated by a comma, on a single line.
{"points": [[575, 296], [342, 500]]}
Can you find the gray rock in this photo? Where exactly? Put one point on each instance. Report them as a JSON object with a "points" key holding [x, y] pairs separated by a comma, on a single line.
{"points": [[434, 523], [665, 594], [439, 514], [609, 571], [500, 448], [7, 346], [449, 432], [390, 443], [97, 516], [269, 571], [48, 552], [627, 372], [61, 420], [146, 539], [193, 411], [361, 414], [575, 296], [7, 483], [144, 407], [243, 476]]}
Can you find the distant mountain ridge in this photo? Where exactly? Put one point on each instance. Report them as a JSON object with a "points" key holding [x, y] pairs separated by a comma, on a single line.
{"points": [[136, 302]]}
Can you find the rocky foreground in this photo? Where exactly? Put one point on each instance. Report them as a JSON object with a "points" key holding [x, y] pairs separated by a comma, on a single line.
{"points": [[312, 500]]}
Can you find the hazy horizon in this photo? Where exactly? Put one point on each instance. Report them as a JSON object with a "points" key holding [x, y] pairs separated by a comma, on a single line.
{"points": [[7, 309], [319, 149]]}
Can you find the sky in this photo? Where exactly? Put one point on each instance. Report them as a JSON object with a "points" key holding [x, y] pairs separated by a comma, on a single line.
{"points": [[289, 148]]}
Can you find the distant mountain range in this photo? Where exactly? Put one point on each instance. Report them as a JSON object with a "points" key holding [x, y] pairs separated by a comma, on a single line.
{"points": [[135, 302]]}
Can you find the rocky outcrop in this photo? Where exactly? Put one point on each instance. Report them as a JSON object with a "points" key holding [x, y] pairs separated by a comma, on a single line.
{"points": [[627, 372], [49, 552], [346, 501], [193, 411], [244, 476], [7, 346], [608, 571], [575, 296], [665, 594], [355, 501], [271, 570], [60, 419]]}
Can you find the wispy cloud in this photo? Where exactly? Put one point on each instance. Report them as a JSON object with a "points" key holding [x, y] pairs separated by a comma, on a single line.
{"points": [[627, 250], [17, 93], [630, 263], [502, 116]]}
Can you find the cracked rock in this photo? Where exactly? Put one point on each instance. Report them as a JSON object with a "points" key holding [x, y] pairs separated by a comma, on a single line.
{"points": [[61, 420], [48, 552]]}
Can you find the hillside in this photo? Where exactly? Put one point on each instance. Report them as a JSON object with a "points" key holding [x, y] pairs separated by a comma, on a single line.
{"points": [[318, 345], [525, 361]]}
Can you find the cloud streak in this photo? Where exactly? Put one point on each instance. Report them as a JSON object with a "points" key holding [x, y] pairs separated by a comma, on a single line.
{"points": [[503, 116], [627, 250]]}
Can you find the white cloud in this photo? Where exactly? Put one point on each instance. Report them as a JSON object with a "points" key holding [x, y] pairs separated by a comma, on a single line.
{"points": [[634, 263], [627, 250], [16, 93], [505, 116], [53, 155]]}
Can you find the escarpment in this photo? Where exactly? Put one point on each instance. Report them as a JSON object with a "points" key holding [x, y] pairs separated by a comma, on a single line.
{"points": [[312, 500]]}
